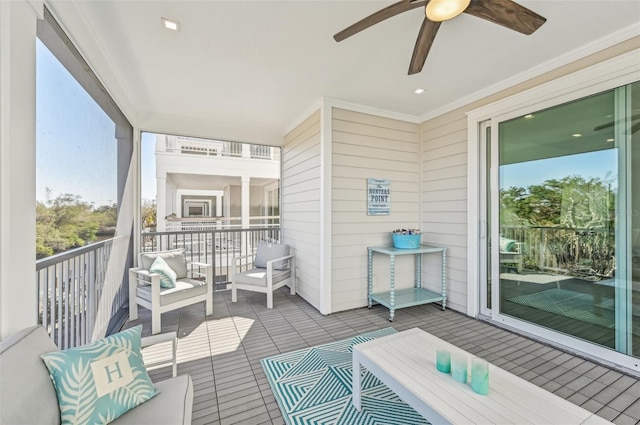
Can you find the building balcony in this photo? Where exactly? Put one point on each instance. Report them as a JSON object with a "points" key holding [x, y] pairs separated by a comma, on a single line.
{"points": [[215, 148]]}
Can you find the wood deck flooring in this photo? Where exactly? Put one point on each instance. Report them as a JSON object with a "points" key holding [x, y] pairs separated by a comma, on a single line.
{"points": [[222, 354]]}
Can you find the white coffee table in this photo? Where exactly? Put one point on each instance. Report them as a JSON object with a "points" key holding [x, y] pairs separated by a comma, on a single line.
{"points": [[405, 362]]}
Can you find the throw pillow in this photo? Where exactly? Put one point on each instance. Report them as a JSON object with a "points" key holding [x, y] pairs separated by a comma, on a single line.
{"points": [[175, 258], [100, 381], [167, 275]]}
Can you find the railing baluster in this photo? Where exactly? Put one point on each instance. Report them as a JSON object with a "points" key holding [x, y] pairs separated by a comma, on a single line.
{"points": [[43, 286], [51, 285]]}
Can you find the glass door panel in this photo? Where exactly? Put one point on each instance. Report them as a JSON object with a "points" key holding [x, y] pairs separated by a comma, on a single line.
{"points": [[633, 128], [557, 203]]}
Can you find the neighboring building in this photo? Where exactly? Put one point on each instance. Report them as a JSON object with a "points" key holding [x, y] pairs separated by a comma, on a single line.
{"points": [[210, 184]]}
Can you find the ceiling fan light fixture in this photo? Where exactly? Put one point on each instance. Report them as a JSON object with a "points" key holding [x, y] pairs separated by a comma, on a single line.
{"points": [[443, 10]]}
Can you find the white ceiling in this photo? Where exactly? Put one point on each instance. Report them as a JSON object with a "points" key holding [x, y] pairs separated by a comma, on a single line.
{"points": [[248, 70]]}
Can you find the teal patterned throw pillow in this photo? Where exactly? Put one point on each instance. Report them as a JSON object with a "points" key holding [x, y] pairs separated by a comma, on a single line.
{"points": [[100, 381], [167, 275]]}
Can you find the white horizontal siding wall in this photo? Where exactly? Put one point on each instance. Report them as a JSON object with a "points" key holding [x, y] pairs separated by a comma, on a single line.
{"points": [[444, 203], [364, 146], [300, 208]]}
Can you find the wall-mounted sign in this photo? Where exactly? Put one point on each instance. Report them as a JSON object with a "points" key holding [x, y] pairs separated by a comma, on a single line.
{"points": [[378, 196]]}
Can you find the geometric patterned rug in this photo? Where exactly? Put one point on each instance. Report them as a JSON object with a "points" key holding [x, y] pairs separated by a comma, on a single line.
{"points": [[313, 386]]}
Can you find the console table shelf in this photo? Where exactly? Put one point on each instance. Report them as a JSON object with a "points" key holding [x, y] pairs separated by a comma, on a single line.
{"points": [[395, 299]]}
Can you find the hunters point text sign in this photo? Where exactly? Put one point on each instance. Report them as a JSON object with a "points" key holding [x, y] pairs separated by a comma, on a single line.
{"points": [[378, 196]]}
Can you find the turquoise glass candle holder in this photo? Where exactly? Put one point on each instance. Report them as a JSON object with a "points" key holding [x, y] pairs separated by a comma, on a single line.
{"points": [[459, 367], [480, 376], [443, 361]]}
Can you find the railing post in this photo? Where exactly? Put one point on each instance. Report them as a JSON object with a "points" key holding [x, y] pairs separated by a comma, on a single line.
{"points": [[91, 311]]}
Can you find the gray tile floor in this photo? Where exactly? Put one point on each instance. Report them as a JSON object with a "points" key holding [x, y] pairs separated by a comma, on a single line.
{"points": [[222, 354]]}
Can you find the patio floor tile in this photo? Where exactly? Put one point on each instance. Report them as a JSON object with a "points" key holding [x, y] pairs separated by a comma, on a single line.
{"points": [[222, 354]]}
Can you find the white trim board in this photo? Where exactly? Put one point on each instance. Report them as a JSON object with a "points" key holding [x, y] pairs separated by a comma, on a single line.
{"points": [[326, 205]]}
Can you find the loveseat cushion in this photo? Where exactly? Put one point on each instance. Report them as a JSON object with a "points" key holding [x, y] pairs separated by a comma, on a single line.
{"points": [[174, 258], [172, 406], [27, 394], [185, 288]]}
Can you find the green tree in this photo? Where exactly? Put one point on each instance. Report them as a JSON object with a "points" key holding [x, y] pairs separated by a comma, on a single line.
{"points": [[67, 222], [148, 214], [569, 221]]}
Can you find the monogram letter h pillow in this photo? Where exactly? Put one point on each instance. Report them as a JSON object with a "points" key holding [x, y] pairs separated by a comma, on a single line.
{"points": [[98, 382]]}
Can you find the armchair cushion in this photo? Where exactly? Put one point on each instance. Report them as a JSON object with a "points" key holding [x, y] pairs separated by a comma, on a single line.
{"points": [[100, 381], [269, 251], [258, 277], [184, 288], [174, 258], [167, 275]]}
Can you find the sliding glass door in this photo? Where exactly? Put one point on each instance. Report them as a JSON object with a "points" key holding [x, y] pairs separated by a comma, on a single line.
{"points": [[564, 247]]}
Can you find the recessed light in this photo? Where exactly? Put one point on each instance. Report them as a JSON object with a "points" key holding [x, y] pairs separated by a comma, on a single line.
{"points": [[528, 116], [418, 91], [577, 135], [610, 140], [170, 25]]}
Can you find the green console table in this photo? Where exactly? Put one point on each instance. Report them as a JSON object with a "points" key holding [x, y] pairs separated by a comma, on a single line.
{"points": [[395, 299]]}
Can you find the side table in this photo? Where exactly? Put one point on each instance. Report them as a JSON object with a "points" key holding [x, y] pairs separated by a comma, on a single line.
{"points": [[395, 299]]}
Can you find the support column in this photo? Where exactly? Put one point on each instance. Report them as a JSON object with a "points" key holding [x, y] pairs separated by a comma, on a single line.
{"points": [[246, 201], [18, 302], [227, 205], [246, 150], [218, 206], [161, 203]]}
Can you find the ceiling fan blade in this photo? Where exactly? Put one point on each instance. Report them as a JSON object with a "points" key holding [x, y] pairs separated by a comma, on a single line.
{"points": [[507, 13], [427, 34], [634, 117], [379, 16]]}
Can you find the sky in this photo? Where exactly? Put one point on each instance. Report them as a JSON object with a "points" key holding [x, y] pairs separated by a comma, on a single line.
{"points": [[75, 140], [588, 165]]}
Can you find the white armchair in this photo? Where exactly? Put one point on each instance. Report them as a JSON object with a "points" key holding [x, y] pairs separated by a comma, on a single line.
{"points": [[511, 252], [194, 283], [272, 268]]}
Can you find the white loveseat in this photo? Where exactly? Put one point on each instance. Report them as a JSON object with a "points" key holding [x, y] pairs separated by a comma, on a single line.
{"points": [[27, 394]]}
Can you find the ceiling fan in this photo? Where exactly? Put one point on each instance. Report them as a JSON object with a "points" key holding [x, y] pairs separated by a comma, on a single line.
{"points": [[502, 12]]}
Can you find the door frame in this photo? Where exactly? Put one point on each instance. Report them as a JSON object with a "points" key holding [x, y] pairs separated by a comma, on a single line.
{"points": [[607, 75]]}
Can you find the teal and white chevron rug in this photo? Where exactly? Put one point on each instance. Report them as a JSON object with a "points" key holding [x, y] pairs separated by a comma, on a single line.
{"points": [[313, 386]]}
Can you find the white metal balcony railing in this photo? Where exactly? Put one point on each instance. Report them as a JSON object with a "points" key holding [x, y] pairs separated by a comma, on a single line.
{"points": [[80, 291], [219, 223], [215, 247], [220, 148], [582, 252]]}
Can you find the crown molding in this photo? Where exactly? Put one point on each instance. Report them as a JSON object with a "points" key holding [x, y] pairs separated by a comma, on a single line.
{"points": [[384, 113], [588, 49]]}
